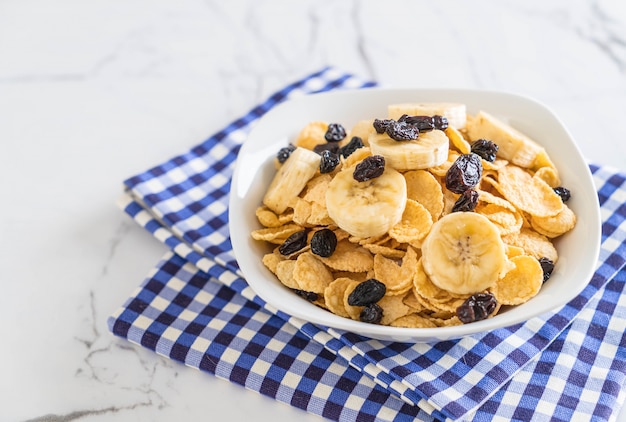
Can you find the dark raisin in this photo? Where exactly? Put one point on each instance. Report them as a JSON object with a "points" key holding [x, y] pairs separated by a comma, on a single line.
{"points": [[328, 162], [284, 153], [335, 132], [354, 144], [466, 202], [477, 307], [485, 149], [464, 173], [371, 314], [323, 242], [402, 131], [441, 122], [380, 125], [547, 266], [328, 146], [310, 296], [564, 193], [293, 243], [422, 123], [368, 292], [370, 168]]}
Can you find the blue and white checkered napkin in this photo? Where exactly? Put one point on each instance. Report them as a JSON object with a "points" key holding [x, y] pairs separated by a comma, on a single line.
{"points": [[194, 307]]}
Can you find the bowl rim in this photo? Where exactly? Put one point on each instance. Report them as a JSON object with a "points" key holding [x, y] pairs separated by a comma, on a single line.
{"points": [[298, 308]]}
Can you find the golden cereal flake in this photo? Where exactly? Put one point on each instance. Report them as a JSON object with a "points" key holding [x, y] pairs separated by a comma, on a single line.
{"points": [[424, 188], [528, 193], [311, 135], [284, 272], [334, 296], [276, 235], [349, 257], [555, 226], [311, 274], [533, 244], [415, 224], [393, 308], [521, 283]]}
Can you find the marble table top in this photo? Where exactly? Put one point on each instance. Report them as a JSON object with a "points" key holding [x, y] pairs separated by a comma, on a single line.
{"points": [[94, 92]]}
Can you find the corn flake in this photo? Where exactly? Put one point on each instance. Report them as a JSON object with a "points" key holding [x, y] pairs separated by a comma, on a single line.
{"points": [[349, 257], [533, 244], [334, 296], [393, 308], [276, 235], [506, 221], [385, 251], [528, 193], [284, 272], [548, 175], [311, 135], [271, 261], [424, 188], [311, 274], [398, 278], [457, 140], [269, 218], [555, 226], [414, 226], [413, 321], [521, 283]]}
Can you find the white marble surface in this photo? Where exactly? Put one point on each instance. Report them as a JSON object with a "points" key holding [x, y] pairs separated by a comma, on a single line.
{"points": [[94, 91]]}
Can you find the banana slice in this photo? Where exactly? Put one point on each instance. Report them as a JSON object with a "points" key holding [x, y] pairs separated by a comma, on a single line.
{"points": [[430, 149], [463, 253], [513, 145], [291, 178], [366, 209], [456, 113]]}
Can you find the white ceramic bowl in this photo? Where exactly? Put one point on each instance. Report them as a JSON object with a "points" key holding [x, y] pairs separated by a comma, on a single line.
{"points": [[578, 249]]}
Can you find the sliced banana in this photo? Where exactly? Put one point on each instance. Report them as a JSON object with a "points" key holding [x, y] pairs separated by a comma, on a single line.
{"points": [[463, 253], [456, 113], [513, 145], [366, 209], [430, 149], [290, 179]]}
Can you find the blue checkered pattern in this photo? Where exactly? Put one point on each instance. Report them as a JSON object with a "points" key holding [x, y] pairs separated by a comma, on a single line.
{"points": [[196, 306]]}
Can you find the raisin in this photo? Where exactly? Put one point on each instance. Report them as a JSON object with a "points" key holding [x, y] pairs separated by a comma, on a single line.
{"points": [[402, 131], [310, 296], [328, 162], [323, 242], [564, 193], [422, 123], [466, 202], [328, 146], [441, 122], [370, 168], [380, 125], [354, 144], [464, 173], [293, 243], [284, 153], [368, 292], [485, 149], [371, 314], [477, 307], [335, 132], [547, 266]]}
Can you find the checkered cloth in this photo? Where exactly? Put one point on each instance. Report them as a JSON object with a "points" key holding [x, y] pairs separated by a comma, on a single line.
{"points": [[196, 308]]}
